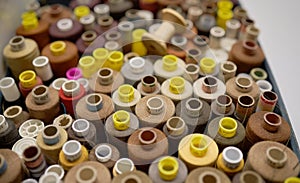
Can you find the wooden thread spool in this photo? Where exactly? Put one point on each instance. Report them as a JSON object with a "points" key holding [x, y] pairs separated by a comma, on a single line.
{"points": [[106, 154], [50, 141], [145, 145], [222, 106], [156, 42], [227, 71], [207, 175], [57, 83], [95, 108], [244, 108], [34, 161], [265, 125], [273, 161], [167, 169], [106, 23], [101, 10], [241, 85], [55, 12], [91, 4], [66, 29], [14, 170], [231, 161], [177, 89], [208, 88], [195, 113], [198, 150], [246, 55], [43, 68], [137, 44], [126, 97], [267, 101], [19, 53], [64, 121], [226, 131], [84, 132], [85, 43], [9, 89], [247, 176], [135, 69], [167, 67], [28, 80], [106, 81], [16, 114], [8, 132], [258, 74], [148, 86], [252, 33], [43, 103], [86, 171], [62, 55], [175, 129], [34, 29], [134, 176], [154, 110], [118, 127], [177, 46], [56, 169], [72, 154]]}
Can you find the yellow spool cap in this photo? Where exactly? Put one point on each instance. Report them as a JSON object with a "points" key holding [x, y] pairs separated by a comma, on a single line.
{"points": [[177, 85], [292, 180], [207, 65], [30, 22], [100, 55], [81, 11], [225, 5], [170, 62], [223, 16], [58, 48], [28, 14], [87, 65], [198, 145], [126, 93], [137, 45], [114, 60], [28, 79], [227, 127], [168, 168], [121, 120]]}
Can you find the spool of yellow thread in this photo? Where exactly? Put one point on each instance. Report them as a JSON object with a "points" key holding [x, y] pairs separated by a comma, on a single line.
{"points": [[126, 93], [30, 22], [28, 14], [225, 5], [58, 48], [230, 171], [207, 65], [170, 62], [222, 16], [100, 55], [28, 79], [227, 127], [137, 45], [114, 60], [292, 180], [177, 85], [81, 11], [121, 120], [87, 66], [168, 168], [67, 165]]}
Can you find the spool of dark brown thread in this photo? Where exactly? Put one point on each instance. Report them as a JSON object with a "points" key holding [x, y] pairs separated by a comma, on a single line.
{"points": [[63, 57], [70, 33], [9, 133], [55, 12], [14, 171], [106, 23]]}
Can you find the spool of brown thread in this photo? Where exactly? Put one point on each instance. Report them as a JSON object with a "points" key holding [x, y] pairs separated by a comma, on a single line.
{"points": [[19, 53], [43, 103], [145, 145], [16, 114], [265, 125], [150, 119], [207, 175], [86, 44], [273, 161], [70, 33], [106, 23], [55, 12], [134, 176], [248, 176], [102, 173], [63, 57], [14, 171], [246, 55]]}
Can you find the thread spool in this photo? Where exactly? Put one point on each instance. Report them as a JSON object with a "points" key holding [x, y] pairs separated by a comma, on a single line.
{"points": [[34, 29], [258, 74], [207, 174], [119, 8], [177, 46], [278, 162], [62, 55], [49, 177], [87, 65], [14, 171], [195, 113], [72, 154], [265, 125], [122, 166], [193, 56], [129, 56], [55, 12], [241, 85], [106, 154], [16, 114], [239, 13], [74, 73], [145, 145], [84, 132], [292, 179], [175, 129], [88, 22], [29, 180], [216, 34], [22, 144], [28, 80], [8, 132], [34, 161], [191, 72], [70, 93], [22, 51], [244, 108], [100, 55], [245, 22], [106, 23], [64, 121], [85, 43], [197, 150], [222, 106], [50, 141], [135, 69], [227, 71], [246, 55], [126, 97], [137, 45], [9, 89], [202, 43], [42, 68], [232, 31], [194, 13], [66, 29], [43, 103], [156, 42], [205, 23], [56, 169], [154, 110], [112, 46], [119, 126], [208, 88], [160, 166], [148, 86], [57, 83], [264, 85], [101, 10], [114, 60], [247, 176], [267, 101], [136, 176], [226, 131], [90, 4], [252, 32], [31, 128]]}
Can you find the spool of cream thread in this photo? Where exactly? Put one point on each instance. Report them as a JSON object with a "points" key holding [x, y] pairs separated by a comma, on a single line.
{"points": [[16, 114], [215, 36], [264, 85], [43, 68], [232, 31], [64, 121], [227, 71], [57, 169], [88, 22], [247, 176], [101, 10], [252, 32], [122, 166], [57, 83], [9, 89], [126, 28], [137, 176]]}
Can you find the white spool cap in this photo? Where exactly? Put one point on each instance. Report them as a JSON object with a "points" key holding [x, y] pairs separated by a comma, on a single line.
{"points": [[124, 165], [137, 65], [57, 83], [72, 150], [42, 68], [57, 169], [31, 128], [103, 153], [9, 89], [50, 177], [22, 144], [81, 127], [65, 24]]}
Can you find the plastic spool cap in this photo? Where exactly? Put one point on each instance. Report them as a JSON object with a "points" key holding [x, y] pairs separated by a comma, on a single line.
{"points": [[207, 65], [115, 60], [63, 120], [28, 79], [57, 83], [22, 144], [103, 153], [258, 74], [177, 85], [137, 64], [94, 102], [81, 127], [169, 63], [232, 157], [29, 181], [276, 157], [58, 48], [149, 83], [31, 128], [42, 67], [87, 65], [227, 127], [50, 135], [264, 85], [112, 36], [50, 177], [155, 105], [168, 168], [112, 46], [147, 138], [105, 76], [209, 177], [65, 24], [193, 107], [30, 22], [87, 19], [175, 126], [121, 120], [28, 14], [272, 121], [88, 36], [292, 180], [71, 88], [198, 145], [224, 4], [124, 165], [125, 26], [101, 9], [126, 93], [209, 84], [9, 89], [3, 124], [81, 11], [17, 43], [74, 73], [179, 41], [243, 84], [72, 150], [57, 169], [40, 94], [86, 174], [85, 83]]}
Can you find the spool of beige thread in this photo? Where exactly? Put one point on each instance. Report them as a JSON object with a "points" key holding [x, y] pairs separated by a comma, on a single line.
{"points": [[207, 175], [16, 114]]}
